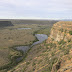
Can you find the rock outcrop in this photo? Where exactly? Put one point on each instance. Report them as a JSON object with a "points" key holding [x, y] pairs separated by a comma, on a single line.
{"points": [[61, 30], [61, 35]]}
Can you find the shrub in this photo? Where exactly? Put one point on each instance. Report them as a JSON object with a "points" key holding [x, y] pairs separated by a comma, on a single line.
{"points": [[33, 64], [52, 54], [27, 63], [52, 61], [65, 30], [70, 32], [47, 59], [52, 45], [61, 29], [69, 40], [52, 39], [61, 42], [60, 47], [69, 46], [66, 51], [39, 61]]}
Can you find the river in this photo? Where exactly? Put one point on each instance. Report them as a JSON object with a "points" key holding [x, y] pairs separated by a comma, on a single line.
{"points": [[40, 37]]}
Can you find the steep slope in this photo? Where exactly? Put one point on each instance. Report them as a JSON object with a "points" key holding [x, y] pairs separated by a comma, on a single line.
{"points": [[61, 35], [53, 55], [61, 31]]}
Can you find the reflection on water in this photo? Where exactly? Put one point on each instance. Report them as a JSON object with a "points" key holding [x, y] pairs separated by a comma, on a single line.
{"points": [[41, 38], [23, 48]]}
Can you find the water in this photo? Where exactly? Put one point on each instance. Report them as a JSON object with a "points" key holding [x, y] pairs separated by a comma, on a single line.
{"points": [[23, 28], [40, 37], [23, 48]]}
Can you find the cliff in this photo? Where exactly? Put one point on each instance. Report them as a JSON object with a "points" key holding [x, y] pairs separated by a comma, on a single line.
{"points": [[61, 35], [61, 30]]}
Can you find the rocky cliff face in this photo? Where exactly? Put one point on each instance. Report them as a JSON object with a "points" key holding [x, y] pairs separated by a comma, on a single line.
{"points": [[61, 31], [61, 35]]}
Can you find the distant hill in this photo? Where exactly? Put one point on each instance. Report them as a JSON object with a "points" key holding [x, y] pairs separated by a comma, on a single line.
{"points": [[66, 20], [22, 21], [33, 21], [11, 22], [5, 23]]}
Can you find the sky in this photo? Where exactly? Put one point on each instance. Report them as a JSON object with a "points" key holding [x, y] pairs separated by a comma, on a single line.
{"points": [[35, 9]]}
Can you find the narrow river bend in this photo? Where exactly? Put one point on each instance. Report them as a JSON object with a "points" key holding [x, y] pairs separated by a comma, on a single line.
{"points": [[40, 37]]}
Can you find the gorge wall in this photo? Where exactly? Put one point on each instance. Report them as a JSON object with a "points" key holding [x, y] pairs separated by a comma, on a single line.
{"points": [[61, 31], [61, 35]]}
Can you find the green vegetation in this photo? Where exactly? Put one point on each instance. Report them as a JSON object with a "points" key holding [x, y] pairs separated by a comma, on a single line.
{"points": [[70, 32], [69, 40], [61, 29], [27, 63], [39, 61], [61, 42], [52, 54], [66, 51], [33, 64], [44, 31]]}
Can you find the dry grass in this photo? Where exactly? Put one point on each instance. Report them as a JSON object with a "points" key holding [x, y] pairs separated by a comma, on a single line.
{"points": [[4, 53], [9, 37], [14, 37]]}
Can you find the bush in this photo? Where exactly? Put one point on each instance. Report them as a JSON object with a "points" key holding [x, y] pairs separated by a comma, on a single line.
{"points": [[52, 45], [70, 32], [60, 47], [52, 54], [66, 51], [39, 61], [27, 63], [69, 40], [61, 42], [61, 29], [33, 64]]}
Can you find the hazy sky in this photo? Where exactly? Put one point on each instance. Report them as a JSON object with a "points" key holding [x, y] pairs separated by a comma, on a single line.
{"points": [[51, 9]]}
